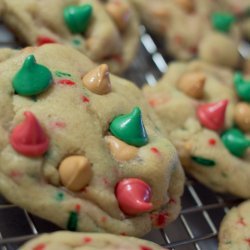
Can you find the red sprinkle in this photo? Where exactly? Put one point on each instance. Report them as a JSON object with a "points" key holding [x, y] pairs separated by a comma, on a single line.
{"points": [[40, 246], [193, 50], [104, 219], [241, 222], [106, 181], [155, 150], [171, 200], [178, 39], [145, 248], [66, 81], [58, 124], [212, 141], [44, 40], [15, 174], [247, 240], [85, 99], [118, 58], [160, 219], [87, 239], [123, 234], [77, 208]]}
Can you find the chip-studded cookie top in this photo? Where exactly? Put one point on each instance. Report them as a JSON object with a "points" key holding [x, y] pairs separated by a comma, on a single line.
{"points": [[81, 148]]}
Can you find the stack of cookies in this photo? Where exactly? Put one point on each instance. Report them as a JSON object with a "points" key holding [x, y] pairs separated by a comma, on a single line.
{"points": [[89, 151]]}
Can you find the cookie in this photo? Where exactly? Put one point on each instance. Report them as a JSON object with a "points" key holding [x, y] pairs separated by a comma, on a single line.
{"points": [[241, 9], [193, 28], [105, 31], [205, 112], [81, 148], [91, 241], [234, 233]]}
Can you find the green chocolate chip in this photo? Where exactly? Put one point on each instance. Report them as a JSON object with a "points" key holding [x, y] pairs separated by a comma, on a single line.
{"points": [[32, 78], [242, 87], [222, 21], [77, 17], [130, 128], [235, 141], [73, 221], [203, 161]]}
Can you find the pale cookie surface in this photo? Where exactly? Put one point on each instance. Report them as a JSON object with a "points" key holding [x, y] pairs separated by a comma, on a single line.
{"points": [[83, 160], [207, 122], [89, 241], [190, 29], [234, 231], [110, 32]]}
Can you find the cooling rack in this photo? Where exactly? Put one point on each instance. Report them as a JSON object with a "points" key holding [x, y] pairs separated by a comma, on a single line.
{"points": [[202, 210]]}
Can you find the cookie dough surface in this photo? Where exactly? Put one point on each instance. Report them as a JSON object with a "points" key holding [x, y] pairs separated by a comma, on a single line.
{"points": [[75, 121], [66, 240], [111, 35], [234, 231], [177, 99]]}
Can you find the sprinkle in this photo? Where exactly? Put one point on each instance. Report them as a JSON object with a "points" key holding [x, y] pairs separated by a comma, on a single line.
{"points": [[15, 174], [247, 240], [178, 39], [72, 221], [241, 222], [76, 42], [104, 219], [171, 200], [60, 74], [161, 219], [212, 141], [106, 181], [118, 58], [40, 246], [66, 81], [85, 99], [78, 207], [44, 40], [193, 50], [145, 248], [87, 239], [59, 196], [155, 151], [58, 124], [123, 234], [203, 161]]}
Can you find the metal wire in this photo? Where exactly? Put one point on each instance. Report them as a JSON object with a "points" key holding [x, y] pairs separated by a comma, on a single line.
{"points": [[198, 223]]}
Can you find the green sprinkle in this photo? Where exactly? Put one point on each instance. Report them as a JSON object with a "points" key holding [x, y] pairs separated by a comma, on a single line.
{"points": [[203, 161], [72, 222], [60, 74], [76, 42], [60, 196]]}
